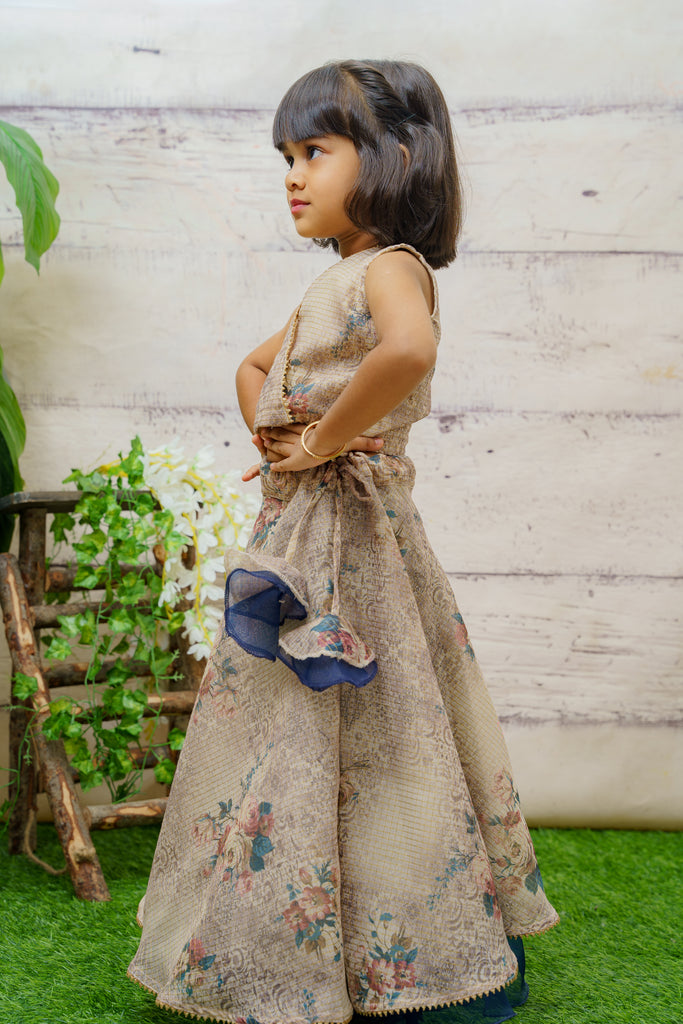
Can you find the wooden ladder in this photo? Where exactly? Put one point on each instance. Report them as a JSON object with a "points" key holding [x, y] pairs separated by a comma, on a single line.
{"points": [[23, 586]]}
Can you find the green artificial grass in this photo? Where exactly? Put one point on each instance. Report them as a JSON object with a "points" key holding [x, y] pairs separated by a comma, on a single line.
{"points": [[616, 957]]}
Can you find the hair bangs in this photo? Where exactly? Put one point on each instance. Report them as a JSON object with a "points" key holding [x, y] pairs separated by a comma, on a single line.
{"points": [[317, 104]]}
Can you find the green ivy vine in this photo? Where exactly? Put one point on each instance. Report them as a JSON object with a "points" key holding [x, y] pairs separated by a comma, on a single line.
{"points": [[112, 532]]}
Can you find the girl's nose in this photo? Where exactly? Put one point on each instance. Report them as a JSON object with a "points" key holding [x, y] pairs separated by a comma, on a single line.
{"points": [[293, 177]]}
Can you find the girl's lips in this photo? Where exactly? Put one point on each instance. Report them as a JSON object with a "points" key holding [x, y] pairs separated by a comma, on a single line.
{"points": [[297, 204]]}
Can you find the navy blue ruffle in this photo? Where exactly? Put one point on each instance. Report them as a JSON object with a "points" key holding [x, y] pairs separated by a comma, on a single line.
{"points": [[256, 605], [322, 672], [257, 602]]}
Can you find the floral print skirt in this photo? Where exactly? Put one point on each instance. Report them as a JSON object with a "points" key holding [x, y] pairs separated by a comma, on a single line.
{"points": [[359, 845]]}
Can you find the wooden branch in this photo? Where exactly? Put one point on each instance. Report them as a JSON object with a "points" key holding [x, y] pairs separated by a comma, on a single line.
{"points": [[32, 552], [79, 852], [54, 501], [171, 702], [137, 812]]}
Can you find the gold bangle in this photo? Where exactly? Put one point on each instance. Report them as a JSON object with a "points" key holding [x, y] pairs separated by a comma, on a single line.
{"points": [[323, 458]]}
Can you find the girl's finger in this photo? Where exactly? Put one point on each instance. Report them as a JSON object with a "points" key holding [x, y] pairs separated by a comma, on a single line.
{"points": [[365, 444], [251, 473]]}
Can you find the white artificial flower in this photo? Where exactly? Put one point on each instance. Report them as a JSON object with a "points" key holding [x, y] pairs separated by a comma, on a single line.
{"points": [[209, 511], [199, 651]]}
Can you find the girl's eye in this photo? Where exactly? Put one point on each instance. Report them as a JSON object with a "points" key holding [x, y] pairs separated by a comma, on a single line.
{"points": [[313, 151], [288, 160]]}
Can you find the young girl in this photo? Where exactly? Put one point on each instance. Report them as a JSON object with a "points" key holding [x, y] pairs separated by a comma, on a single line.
{"points": [[343, 833]]}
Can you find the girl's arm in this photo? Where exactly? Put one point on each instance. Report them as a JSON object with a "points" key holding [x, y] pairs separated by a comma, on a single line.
{"points": [[399, 294], [252, 372]]}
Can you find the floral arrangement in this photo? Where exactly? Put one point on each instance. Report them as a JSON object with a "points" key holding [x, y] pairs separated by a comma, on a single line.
{"points": [[148, 535]]}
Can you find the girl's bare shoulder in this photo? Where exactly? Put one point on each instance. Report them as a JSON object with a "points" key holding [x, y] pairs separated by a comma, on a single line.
{"points": [[391, 274]]}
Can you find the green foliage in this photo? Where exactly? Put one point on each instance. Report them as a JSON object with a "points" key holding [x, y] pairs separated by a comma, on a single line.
{"points": [[24, 686], [35, 190], [112, 532], [12, 439]]}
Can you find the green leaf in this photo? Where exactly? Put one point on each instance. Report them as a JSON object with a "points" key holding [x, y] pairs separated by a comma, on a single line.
{"points": [[174, 542], [79, 754], [24, 686], [35, 189], [160, 661], [175, 622], [113, 739], [122, 621], [90, 545], [164, 771], [127, 548], [145, 622], [118, 673], [118, 764], [61, 523], [12, 425], [69, 625], [112, 700], [144, 503], [176, 738], [134, 702], [93, 506], [73, 730], [58, 648], [56, 725], [85, 577], [163, 520], [91, 779], [131, 589], [87, 624], [131, 728], [10, 477]]}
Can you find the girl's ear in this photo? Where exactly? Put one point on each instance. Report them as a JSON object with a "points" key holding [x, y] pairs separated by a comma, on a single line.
{"points": [[405, 154]]}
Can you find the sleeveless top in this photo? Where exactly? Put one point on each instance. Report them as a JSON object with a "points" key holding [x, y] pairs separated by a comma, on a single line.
{"points": [[328, 336]]}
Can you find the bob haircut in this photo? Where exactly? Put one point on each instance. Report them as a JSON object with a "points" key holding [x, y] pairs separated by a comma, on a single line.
{"points": [[408, 187]]}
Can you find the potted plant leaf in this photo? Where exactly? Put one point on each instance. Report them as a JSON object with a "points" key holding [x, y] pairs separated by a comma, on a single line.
{"points": [[35, 190]]}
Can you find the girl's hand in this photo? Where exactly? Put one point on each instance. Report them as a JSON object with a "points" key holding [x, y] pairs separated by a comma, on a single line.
{"points": [[253, 471], [285, 453]]}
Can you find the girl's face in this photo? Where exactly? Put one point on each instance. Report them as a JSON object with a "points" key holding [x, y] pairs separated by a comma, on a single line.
{"points": [[322, 173]]}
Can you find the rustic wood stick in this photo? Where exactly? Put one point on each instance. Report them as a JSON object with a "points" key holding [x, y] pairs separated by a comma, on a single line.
{"points": [[28, 850], [23, 783], [32, 552], [137, 812], [54, 501], [23, 778], [79, 852]]}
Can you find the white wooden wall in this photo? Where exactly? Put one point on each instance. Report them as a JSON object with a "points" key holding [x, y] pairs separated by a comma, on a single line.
{"points": [[550, 468]]}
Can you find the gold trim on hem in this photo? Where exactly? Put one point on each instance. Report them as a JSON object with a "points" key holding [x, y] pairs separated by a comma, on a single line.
{"points": [[361, 1013], [538, 931], [207, 1016]]}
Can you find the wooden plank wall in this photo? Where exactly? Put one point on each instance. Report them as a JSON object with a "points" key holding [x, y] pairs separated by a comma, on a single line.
{"points": [[550, 468]]}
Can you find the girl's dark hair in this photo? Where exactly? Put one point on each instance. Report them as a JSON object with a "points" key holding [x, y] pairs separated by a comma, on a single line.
{"points": [[382, 106]]}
